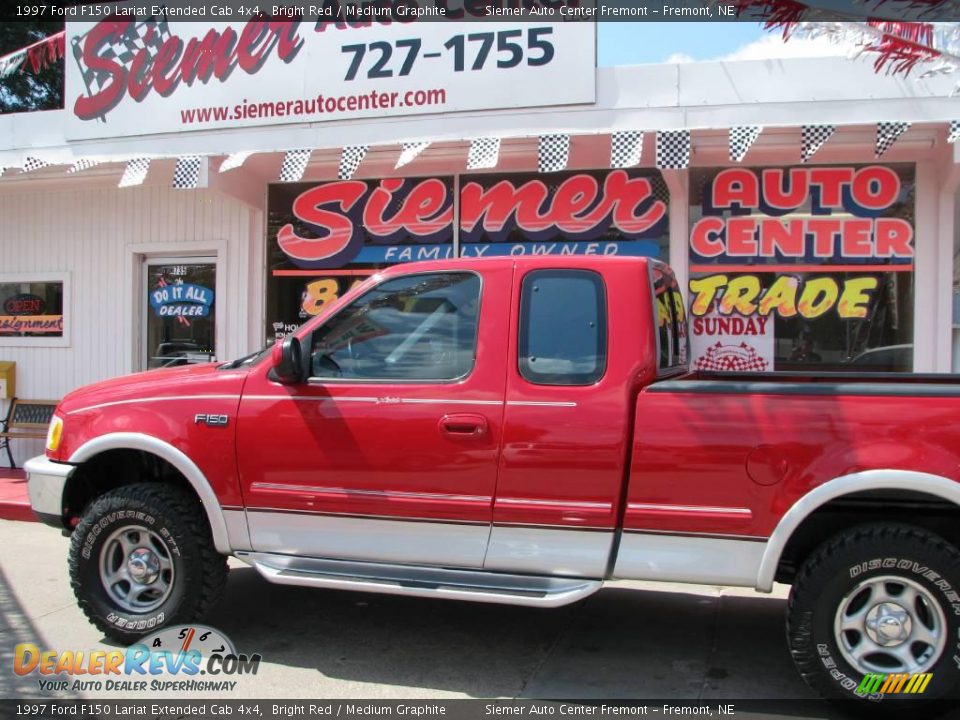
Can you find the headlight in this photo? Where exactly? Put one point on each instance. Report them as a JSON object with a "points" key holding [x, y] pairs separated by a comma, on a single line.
{"points": [[54, 433]]}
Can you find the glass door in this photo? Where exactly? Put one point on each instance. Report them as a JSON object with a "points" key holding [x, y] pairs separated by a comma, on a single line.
{"points": [[180, 308]]}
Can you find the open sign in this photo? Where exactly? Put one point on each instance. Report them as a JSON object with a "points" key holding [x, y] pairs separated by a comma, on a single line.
{"points": [[24, 304]]}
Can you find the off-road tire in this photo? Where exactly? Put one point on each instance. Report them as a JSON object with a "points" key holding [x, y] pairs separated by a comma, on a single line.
{"points": [[836, 568], [173, 515]]}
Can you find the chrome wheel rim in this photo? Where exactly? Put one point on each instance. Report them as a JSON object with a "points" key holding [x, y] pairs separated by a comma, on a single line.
{"points": [[890, 624], [136, 569]]}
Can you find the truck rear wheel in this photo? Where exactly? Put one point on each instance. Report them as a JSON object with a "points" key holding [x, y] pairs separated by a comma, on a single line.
{"points": [[142, 558], [874, 602]]}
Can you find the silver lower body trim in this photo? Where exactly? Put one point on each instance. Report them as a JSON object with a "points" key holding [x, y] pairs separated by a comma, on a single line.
{"points": [[548, 551], [368, 539], [440, 583], [686, 559], [237, 531]]}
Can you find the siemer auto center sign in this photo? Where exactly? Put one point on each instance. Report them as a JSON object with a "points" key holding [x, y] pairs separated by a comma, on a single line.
{"points": [[132, 76]]}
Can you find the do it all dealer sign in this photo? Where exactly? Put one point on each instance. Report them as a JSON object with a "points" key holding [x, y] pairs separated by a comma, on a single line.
{"points": [[128, 76]]}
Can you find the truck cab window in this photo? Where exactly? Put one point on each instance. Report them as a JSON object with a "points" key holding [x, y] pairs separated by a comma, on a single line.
{"points": [[563, 327], [418, 327], [670, 319]]}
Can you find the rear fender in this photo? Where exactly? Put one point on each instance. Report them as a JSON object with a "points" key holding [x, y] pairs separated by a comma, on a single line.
{"points": [[838, 487]]}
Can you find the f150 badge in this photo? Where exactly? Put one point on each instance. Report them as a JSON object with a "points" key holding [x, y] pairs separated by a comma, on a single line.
{"points": [[211, 420]]}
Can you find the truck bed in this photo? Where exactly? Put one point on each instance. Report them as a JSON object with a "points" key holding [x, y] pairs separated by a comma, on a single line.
{"points": [[835, 383], [753, 444]]}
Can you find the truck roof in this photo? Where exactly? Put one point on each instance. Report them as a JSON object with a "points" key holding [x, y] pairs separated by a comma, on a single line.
{"points": [[520, 261]]}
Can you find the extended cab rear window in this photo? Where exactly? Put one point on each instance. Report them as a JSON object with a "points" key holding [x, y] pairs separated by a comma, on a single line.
{"points": [[671, 320], [563, 327]]}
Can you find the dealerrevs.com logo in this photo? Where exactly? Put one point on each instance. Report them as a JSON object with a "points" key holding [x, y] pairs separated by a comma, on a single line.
{"points": [[182, 658]]}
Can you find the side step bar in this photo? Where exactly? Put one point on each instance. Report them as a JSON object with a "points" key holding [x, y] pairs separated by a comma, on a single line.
{"points": [[442, 583]]}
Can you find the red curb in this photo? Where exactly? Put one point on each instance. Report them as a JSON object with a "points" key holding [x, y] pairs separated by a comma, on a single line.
{"points": [[14, 501]]}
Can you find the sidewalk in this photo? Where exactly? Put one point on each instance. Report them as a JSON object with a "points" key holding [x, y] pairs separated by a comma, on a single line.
{"points": [[14, 503]]}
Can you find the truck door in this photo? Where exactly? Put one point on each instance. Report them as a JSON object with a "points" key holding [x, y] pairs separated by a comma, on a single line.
{"points": [[566, 421], [389, 452]]}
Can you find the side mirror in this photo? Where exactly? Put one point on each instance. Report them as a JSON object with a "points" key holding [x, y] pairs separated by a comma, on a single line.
{"points": [[288, 361]]}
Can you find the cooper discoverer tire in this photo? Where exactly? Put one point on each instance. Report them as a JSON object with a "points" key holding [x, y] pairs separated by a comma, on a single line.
{"points": [[142, 558], [878, 599]]}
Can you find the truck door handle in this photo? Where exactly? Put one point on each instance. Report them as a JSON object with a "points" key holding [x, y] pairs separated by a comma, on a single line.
{"points": [[463, 425]]}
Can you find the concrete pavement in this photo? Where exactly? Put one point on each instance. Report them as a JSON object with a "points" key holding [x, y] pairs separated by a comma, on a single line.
{"points": [[684, 642]]}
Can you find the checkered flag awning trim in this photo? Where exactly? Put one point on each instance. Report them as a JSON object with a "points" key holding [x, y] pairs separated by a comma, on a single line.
{"points": [[410, 152], [484, 153], [954, 133], [84, 164], [553, 152], [235, 160], [33, 163], [294, 165], [350, 160], [813, 138], [626, 147], [742, 139], [887, 135], [673, 149], [186, 174], [135, 172]]}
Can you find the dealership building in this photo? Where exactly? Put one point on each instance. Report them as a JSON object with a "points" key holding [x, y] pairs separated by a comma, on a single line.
{"points": [[186, 209]]}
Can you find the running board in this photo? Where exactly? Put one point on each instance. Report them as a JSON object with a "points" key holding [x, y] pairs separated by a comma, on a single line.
{"points": [[443, 583]]}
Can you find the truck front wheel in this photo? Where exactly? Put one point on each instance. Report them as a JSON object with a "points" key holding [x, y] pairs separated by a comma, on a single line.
{"points": [[142, 558], [877, 603]]}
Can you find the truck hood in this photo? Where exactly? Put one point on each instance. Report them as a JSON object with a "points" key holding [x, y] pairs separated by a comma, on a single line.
{"points": [[186, 381]]}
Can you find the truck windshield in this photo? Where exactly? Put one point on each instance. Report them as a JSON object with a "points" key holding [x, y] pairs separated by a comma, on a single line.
{"points": [[247, 359]]}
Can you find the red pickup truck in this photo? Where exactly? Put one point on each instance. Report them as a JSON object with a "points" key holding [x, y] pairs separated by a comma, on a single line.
{"points": [[521, 430]]}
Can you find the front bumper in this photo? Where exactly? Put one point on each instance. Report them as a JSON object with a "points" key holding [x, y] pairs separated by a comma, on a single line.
{"points": [[45, 483]]}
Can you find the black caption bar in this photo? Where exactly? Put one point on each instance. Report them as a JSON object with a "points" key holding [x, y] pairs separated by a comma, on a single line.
{"points": [[405, 11], [472, 709]]}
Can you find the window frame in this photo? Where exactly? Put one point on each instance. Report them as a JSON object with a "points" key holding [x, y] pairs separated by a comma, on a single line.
{"points": [[42, 277], [319, 380], [603, 334]]}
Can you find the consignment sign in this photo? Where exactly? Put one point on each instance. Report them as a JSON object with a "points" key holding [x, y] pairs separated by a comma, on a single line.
{"points": [[130, 76]]}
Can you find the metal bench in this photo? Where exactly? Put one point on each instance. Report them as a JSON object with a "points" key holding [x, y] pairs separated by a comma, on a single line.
{"points": [[26, 419]]}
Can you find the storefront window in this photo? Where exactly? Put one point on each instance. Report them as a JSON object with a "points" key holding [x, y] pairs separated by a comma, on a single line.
{"points": [[602, 212], [31, 308], [323, 238], [802, 268]]}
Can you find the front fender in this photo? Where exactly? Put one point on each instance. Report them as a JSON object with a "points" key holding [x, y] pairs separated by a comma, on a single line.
{"points": [[180, 461]]}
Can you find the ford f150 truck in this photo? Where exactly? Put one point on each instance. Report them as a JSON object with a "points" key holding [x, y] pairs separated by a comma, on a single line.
{"points": [[521, 430]]}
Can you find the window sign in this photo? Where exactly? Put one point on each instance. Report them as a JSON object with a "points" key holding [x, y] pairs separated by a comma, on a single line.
{"points": [[323, 238], [181, 313], [604, 212], [32, 308], [802, 266]]}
